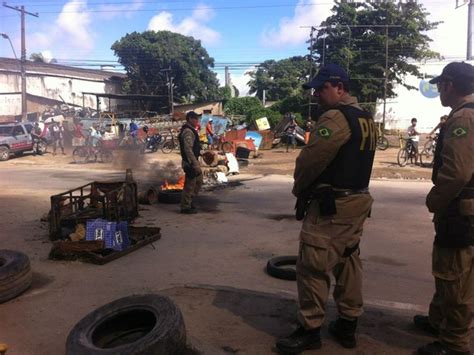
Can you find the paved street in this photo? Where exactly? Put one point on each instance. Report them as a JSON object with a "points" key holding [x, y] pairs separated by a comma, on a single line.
{"points": [[226, 245]]}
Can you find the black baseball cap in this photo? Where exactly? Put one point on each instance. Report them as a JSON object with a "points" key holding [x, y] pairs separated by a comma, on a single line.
{"points": [[329, 72], [456, 71], [192, 114]]}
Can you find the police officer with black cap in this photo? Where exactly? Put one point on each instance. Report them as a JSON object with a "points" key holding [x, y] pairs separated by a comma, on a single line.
{"points": [[331, 181], [190, 149], [451, 199]]}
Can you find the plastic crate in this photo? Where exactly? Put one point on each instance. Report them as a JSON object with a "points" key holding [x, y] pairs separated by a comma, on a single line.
{"points": [[114, 234]]}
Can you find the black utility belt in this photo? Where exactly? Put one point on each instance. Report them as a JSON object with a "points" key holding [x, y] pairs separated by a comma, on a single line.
{"points": [[345, 193]]}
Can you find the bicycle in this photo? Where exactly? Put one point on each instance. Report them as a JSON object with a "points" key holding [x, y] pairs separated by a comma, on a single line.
{"points": [[382, 142], [219, 143], [88, 153], [407, 152], [427, 154], [170, 143]]}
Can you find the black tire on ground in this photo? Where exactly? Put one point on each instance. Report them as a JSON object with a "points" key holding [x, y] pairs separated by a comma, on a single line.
{"points": [[275, 269], [15, 274], [402, 157], [4, 153], [140, 324], [382, 143], [169, 196]]}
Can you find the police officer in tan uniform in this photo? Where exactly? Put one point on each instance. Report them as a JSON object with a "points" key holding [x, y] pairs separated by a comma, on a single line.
{"points": [[331, 176], [452, 201], [190, 149]]}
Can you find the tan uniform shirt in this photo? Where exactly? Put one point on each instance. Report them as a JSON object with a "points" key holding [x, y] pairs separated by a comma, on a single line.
{"points": [[328, 135], [458, 159], [188, 139]]}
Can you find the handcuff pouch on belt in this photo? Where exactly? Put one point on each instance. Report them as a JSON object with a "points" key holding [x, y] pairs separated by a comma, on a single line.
{"points": [[326, 201], [454, 230]]}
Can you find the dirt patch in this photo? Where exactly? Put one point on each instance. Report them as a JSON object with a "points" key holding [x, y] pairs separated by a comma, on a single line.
{"points": [[277, 161]]}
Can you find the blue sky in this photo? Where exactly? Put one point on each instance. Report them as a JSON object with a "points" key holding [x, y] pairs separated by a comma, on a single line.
{"points": [[245, 31]]}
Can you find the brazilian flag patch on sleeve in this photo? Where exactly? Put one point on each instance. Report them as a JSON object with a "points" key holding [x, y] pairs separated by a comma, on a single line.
{"points": [[324, 132], [459, 132]]}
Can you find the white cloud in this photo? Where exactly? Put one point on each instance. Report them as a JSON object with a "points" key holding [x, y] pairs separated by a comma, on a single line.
{"points": [[71, 32], [194, 25], [112, 11], [74, 22], [239, 80], [290, 31]]}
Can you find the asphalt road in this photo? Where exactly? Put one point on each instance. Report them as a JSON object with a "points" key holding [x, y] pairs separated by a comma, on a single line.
{"points": [[227, 245]]}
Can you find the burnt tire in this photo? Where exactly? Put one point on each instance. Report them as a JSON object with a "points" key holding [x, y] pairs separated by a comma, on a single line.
{"points": [[15, 274], [140, 324], [169, 196], [276, 267]]}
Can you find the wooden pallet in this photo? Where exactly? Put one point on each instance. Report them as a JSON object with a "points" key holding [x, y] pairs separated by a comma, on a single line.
{"points": [[93, 251]]}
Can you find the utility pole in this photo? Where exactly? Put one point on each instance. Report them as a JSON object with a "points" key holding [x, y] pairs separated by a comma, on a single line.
{"points": [[469, 30], [24, 109], [226, 75], [470, 12], [311, 39], [169, 85], [171, 95], [385, 81]]}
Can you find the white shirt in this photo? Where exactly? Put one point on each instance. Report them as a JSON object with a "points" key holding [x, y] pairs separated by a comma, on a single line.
{"points": [[412, 134]]}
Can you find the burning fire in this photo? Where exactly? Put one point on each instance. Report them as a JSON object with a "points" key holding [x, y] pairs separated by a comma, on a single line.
{"points": [[178, 186]]}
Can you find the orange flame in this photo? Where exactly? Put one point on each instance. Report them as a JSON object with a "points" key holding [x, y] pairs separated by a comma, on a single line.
{"points": [[178, 186]]}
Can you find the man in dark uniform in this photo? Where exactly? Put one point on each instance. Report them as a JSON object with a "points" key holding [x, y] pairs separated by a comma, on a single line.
{"points": [[190, 151], [452, 201], [36, 133], [332, 175]]}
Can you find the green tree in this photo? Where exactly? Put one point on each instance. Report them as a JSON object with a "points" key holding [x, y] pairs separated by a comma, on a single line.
{"points": [[355, 37], [241, 105], [279, 79], [147, 57], [258, 112]]}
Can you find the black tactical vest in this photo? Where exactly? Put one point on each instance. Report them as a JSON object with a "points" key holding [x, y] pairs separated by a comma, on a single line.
{"points": [[196, 145], [352, 166]]}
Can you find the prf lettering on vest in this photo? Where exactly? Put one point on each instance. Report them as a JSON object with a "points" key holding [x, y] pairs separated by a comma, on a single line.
{"points": [[367, 128]]}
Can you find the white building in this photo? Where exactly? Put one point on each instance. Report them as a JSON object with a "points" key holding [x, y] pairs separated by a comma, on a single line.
{"points": [[424, 103], [51, 84]]}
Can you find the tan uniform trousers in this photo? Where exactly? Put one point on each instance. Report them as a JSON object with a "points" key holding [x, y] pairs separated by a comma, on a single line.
{"points": [[323, 242], [452, 307], [191, 189]]}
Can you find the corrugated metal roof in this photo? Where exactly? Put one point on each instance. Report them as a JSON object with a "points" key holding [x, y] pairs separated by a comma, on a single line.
{"points": [[32, 68]]}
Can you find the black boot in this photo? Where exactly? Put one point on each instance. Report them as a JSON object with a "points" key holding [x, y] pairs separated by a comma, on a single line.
{"points": [[423, 323], [344, 332], [437, 348], [300, 340]]}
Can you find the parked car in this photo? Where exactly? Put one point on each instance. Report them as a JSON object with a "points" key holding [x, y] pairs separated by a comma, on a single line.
{"points": [[15, 138]]}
